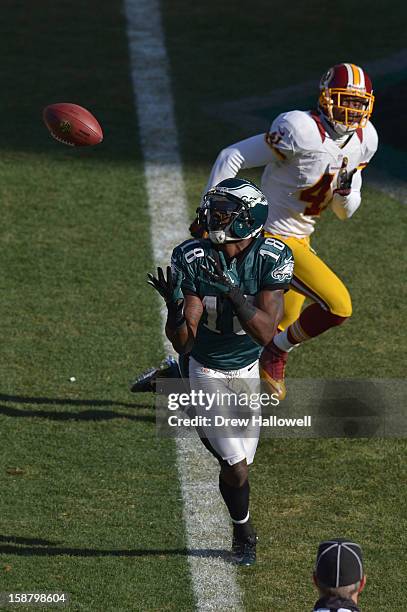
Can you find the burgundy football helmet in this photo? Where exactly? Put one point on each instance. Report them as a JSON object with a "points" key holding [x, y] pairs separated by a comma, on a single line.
{"points": [[346, 97]]}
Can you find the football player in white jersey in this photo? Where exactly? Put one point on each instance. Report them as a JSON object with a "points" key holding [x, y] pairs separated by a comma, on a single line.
{"points": [[313, 161]]}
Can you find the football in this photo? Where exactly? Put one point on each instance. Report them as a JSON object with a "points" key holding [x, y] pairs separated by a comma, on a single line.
{"points": [[72, 124]]}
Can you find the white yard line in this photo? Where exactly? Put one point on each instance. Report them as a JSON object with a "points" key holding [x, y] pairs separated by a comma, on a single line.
{"points": [[206, 521]]}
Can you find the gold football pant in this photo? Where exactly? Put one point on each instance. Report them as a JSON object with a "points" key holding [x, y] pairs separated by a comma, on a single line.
{"points": [[313, 279]]}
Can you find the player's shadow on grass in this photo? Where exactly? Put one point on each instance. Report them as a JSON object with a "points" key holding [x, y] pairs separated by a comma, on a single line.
{"points": [[44, 548], [82, 415]]}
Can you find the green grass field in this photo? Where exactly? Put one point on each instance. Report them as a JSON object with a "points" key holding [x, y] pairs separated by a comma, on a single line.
{"points": [[90, 501]]}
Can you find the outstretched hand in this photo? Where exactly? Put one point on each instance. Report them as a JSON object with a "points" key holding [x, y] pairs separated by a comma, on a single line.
{"points": [[169, 286]]}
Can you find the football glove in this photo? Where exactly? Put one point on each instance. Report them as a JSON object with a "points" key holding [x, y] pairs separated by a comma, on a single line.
{"points": [[344, 179], [168, 287], [223, 279], [226, 280]]}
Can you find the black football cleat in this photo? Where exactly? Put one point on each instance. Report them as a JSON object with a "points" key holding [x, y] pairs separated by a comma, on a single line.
{"points": [[147, 381], [244, 551]]}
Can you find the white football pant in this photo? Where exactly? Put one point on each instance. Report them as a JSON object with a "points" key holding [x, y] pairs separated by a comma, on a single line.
{"points": [[225, 387]]}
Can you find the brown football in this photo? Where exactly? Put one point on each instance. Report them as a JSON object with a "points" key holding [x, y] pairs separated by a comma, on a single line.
{"points": [[72, 124]]}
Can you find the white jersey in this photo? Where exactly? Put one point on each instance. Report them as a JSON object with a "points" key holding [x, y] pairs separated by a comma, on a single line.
{"points": [[302, 158]]}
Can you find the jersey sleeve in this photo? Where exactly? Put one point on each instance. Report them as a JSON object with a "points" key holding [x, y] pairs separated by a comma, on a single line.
{"points": [[278, 144], [249, 153], [345, 206], [278, 265], [182, 259]]}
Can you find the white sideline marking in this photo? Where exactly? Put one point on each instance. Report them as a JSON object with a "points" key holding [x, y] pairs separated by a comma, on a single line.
{"points": [[206, 521]]}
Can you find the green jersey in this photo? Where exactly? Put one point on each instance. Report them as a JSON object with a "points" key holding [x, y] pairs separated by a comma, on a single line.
{"points": [[221, 343]]}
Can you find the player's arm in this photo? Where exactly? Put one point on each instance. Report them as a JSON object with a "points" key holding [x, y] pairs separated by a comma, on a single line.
{"points": [[259, 319], [184, 307], [182, 335], [277, 270], [347, 197], [250, 153], [182, 314], [268, 312], [257, 151]]}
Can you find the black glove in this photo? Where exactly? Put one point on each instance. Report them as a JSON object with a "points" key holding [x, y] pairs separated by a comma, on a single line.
{"points": [[223, 279], [344, 179], [169, 288], [226, 281]]}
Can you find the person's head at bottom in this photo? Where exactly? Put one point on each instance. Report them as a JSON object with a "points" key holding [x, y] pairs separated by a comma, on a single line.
{"points": [[339, 575]]}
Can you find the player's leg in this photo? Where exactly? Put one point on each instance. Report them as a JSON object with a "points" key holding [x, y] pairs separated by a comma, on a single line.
{"points": [[276, 361], [235, 490], [244, 534], [332, 303], [234, 455], [293, 303], [331, 307]]}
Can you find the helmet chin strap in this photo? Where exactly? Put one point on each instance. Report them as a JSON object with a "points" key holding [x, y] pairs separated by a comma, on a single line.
{"points": [[220, 237], [217, 236]]}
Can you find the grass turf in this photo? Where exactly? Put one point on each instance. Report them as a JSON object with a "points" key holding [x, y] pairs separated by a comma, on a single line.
{"points": [[91, 503], [307, 491]]}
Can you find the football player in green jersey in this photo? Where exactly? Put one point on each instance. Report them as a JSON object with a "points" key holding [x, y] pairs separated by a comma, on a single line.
{"points": [[224, 297]]}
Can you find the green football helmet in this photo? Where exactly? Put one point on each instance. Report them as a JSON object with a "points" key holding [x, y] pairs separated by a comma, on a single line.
{"points": [[233, 210]]}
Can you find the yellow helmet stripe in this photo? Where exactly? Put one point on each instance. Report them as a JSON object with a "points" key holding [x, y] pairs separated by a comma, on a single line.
{"points": [[355, 73]]}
